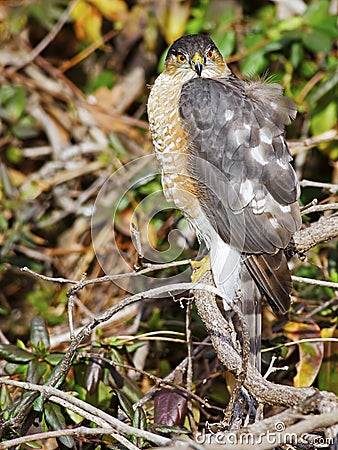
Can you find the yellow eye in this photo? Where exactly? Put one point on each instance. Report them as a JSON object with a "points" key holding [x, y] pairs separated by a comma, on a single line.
{"points": [[211, 54], [181, 58]]}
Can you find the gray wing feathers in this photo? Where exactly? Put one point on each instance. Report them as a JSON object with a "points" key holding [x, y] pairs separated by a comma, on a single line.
{"points": [[241, 165], [240, 139]]}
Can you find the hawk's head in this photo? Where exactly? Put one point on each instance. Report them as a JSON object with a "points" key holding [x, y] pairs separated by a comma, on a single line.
{"points": [[195, 55]]}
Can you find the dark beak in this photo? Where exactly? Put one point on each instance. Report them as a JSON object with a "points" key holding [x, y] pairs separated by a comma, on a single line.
{"points": [[197, 64], [198, 68]]}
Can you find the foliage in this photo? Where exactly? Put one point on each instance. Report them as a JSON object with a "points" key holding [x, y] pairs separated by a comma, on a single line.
{"points": [[74, 113]]}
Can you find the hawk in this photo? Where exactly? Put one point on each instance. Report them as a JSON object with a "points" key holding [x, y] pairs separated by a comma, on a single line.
{"points": [[220, 145]]}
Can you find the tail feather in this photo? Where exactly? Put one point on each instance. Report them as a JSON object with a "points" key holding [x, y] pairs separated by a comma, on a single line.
{"points": [[250, 304], [271, 274], [263, 273], [230, 275]]}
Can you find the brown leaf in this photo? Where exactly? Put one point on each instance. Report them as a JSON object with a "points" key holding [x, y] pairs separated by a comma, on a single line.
{"points": [[310, 353]]}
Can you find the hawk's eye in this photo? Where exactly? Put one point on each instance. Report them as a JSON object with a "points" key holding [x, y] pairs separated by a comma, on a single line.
{"points": [[181, 58], [211, 54]]}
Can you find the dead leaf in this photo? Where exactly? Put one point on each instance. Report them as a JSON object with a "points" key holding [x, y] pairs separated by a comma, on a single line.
{"points": [[328, 373], [310, 353]]}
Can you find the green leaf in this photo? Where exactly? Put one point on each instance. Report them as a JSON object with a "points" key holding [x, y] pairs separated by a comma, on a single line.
{"points": [[14, 154], [6, 92], [140, 419], [297, 54], [139, 422], [25, 128], [308, 69], [325, 119], [13, 354], [254, 64], [33, 444], [15, 105], [125, 404], [226, 42], [5, 398], [317, 12], [317, 40], [35, 371], [329, 26], [329, 83], [56, 420], [54, 358], [21, 344], [39, 333]]}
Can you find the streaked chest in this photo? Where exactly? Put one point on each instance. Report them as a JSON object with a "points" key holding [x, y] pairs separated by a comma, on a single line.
{"points": [[170, 140]]}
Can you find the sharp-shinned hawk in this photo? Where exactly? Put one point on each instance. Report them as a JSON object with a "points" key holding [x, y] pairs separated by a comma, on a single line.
{"points": [[224, 161]]}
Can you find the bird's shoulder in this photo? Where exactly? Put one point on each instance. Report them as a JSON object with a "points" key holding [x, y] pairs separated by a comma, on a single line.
{"points": [[244, 96]]}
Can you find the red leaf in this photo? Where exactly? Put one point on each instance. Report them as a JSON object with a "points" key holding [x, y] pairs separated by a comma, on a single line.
{"points": [[170, 407]]}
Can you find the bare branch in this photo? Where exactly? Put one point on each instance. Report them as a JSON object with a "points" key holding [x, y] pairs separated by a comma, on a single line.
{"points": [[309, 183], [322, 231], [319, 208], [76, 432], [88, 411], [330, 284], [82, 283], [300, 341], [301, 145]]}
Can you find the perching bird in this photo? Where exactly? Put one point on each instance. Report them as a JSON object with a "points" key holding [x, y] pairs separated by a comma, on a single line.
{"points": [[224, 161]]}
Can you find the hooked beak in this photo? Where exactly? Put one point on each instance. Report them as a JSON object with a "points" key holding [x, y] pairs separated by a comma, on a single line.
{"points": [[197, 64]]}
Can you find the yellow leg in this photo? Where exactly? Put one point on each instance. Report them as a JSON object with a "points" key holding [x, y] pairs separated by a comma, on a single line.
{"points": [[200, 268]]}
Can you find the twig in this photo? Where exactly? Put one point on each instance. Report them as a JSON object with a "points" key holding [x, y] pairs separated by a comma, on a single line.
{"points": [[300, 341], [86, 410], [189, 345], [267, 434], [272, 368], [303, 144], [76, 432], [330, 284], [245, 360], [82, 283], [322, 306], [66, 65], [309, 183], [308, 86], [318, 208], [136, 238], [189, 379]]}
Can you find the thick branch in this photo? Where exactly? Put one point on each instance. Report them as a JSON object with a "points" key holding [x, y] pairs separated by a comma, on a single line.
{"points": [[322, 231]]}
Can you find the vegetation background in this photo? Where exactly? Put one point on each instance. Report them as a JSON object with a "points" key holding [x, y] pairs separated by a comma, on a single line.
{"points": [[74, 82]]}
